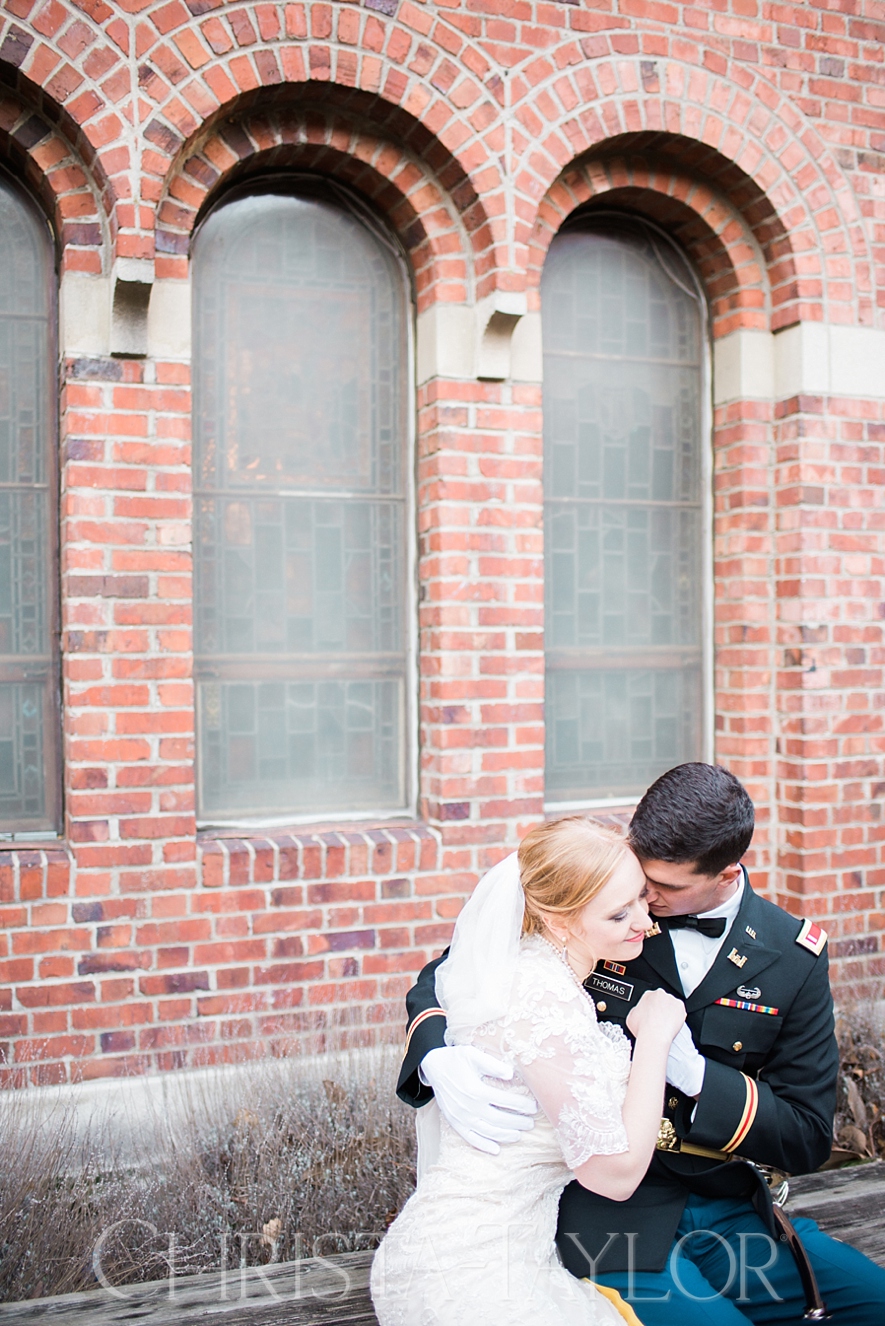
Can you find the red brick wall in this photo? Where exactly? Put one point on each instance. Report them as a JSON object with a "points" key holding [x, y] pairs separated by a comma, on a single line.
{"points": [[755, 134]]}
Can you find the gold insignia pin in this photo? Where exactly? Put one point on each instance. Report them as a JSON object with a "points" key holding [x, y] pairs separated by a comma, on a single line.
{"points": [[751, 932], [667, 1138], [654, 930], [737, 958]]}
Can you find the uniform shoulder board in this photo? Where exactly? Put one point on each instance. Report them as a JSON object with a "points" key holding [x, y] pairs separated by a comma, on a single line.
{"points": [[813, 937]]}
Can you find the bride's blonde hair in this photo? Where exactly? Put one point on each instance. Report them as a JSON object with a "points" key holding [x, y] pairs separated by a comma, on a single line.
{"points": [[563, 864]]}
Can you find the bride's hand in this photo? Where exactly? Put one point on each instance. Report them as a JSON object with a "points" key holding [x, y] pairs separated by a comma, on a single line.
{"points": [[659, 1013]]}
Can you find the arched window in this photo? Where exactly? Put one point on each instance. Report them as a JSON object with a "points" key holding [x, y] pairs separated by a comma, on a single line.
{"points": [[625, 472], [302, 424], [29, 683]]}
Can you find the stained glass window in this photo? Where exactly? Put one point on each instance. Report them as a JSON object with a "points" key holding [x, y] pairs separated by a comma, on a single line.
{"points": [[301, 429], [623, 511], [29, 683]]}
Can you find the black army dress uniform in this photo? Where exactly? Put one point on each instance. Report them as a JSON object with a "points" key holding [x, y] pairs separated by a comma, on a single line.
{"points": [[763, 1019]]}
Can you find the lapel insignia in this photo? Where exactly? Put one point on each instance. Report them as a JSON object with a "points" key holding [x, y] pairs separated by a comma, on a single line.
{"points": [[749, 992], [655, 930], [737, 958], [751, 932], [616, 967], [813, 937]]}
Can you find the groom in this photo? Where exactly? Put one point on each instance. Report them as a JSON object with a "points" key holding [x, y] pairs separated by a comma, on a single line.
{"points": [[752, 1081]]}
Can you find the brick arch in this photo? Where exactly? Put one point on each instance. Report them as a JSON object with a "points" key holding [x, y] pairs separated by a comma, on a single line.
{"points": [[753, 145], [71, 63], [169, 71], [430, 209], [713, 233], [404, 81], [40, 146]]}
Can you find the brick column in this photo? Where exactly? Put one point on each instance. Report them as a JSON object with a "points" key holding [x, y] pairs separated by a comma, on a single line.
{"points": [[746, 724], [128, 691], [481, 617], [830, 583]]}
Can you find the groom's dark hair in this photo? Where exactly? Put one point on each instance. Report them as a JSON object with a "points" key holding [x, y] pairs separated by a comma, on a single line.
{"points": [[696, 812]]}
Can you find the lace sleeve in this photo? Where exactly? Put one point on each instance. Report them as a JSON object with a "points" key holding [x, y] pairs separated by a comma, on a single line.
{"points": [[576, 1068]]}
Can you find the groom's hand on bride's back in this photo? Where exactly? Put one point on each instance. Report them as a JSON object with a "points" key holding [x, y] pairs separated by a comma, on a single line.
{"points": [[484, 1115]]}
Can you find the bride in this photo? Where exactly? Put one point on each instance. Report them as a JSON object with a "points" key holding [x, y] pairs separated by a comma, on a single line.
{"points": [[474, 1245]]}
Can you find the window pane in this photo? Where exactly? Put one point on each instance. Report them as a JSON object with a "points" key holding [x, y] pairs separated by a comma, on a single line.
{"points": [[623, 513], [300, 428], [28, 671]]}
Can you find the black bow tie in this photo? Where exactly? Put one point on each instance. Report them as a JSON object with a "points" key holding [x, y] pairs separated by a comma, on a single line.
{"points": [[712, 926]]}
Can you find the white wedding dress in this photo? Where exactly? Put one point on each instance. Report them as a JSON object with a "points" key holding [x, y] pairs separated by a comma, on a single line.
{"points": [[474, 1245]]}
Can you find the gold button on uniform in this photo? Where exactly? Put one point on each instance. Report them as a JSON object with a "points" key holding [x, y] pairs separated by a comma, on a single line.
{"points": [[601, 1005], [672, 1102], [738, 1046]]}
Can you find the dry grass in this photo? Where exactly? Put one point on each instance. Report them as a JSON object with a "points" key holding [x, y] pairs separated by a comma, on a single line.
{"points": [[267, 1165], [860, 1113]]}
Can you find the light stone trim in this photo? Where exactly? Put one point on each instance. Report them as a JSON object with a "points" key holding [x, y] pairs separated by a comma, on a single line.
{"points": [[84, 307], [743, 367], [169, 320], [857, 361], [133, 279], [808, 359], [445, 336], [459, 342], [526, 350], [497, 318], [495, 341]]}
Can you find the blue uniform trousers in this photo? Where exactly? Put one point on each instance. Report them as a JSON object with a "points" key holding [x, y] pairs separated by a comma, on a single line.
{"points": [[728, 1272]]}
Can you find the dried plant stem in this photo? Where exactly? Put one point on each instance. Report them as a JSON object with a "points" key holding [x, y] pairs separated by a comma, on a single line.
{"points": [[282, 1160]]}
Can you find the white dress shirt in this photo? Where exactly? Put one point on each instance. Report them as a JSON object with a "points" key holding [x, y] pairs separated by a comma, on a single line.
{"points": [[696, 953]]}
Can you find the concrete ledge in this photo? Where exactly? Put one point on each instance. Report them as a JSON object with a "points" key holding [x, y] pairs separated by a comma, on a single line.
{"points": [[112, 1113]]}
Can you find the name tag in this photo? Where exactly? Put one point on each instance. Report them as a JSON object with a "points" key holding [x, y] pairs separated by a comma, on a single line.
{"points": [[608, 985]]}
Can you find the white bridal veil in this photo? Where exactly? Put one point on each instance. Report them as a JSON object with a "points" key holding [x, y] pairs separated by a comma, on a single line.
{"points": [[473, 984]]}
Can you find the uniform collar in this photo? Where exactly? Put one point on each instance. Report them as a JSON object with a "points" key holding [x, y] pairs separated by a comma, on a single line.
{"points": [[730, 908], [659, 953], [744, 941]]}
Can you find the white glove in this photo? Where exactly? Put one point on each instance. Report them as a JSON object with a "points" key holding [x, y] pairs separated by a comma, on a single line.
{"points": [[685, 1063], [482, 1114]]}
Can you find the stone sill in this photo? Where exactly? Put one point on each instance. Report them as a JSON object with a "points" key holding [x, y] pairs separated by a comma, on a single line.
{"points": [[317, 853]]}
